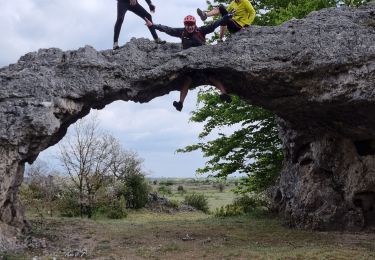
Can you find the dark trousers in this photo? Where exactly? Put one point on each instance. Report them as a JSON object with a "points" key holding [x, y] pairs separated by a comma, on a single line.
{"points": [[231, 25], [122, 8]]}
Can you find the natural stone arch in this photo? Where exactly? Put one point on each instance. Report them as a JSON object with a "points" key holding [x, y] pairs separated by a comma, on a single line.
{"points": [[317, 74]]}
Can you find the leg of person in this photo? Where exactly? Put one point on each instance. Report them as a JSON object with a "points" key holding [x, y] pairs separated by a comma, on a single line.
{"points": [[142, 13], [183, 93], [233, 27], [219, 85], [222, 32], [215, 11], [122, 7]]}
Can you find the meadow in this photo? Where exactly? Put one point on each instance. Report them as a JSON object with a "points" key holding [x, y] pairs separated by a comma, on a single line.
{"points": [[191, 235]]}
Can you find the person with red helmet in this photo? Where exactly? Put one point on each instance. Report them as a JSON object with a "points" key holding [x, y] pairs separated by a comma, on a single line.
{"points": [[192, 36]]}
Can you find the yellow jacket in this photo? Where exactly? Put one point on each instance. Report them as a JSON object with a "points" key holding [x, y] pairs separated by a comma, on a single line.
{"points": [[245, 12]]}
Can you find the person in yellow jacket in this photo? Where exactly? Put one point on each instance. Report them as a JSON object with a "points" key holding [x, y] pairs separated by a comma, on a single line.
{"points": [[243, 15]]}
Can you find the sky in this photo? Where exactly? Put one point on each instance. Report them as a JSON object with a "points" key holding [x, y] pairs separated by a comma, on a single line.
{"points": [[154, 130]]}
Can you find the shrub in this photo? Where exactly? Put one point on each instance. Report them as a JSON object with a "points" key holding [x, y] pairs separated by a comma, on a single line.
{"points": [[174, 203], [249, 202], [136, 190], [221, 187], [68, 204], [167, 183], [229, 211], [164, 190], [116, 209], [198, 201], [180, 189]]}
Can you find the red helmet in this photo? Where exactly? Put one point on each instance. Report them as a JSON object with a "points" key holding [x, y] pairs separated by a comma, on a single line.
{"points": [[189, 20]]}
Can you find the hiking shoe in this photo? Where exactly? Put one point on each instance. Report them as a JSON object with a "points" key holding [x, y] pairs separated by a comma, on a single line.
{"points": [[160, 41], [115, 46], [202, 14], [177, 105], [226, 98]]}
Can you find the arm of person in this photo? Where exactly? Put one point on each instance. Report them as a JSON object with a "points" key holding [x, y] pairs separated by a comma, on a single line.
{"points": [[175, 32], [250, 9], [230, 7]]}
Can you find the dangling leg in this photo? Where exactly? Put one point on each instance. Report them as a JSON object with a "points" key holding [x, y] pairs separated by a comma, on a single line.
{"points": [[219, 85], [122, 7], [183, 93]]}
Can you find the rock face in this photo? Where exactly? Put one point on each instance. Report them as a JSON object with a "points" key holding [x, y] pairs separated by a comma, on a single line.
{"points": [[316, 74]]}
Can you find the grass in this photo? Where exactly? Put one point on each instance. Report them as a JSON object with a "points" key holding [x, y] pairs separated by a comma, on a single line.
{"points": [[145, 235], [215, 198], [148, 235]]}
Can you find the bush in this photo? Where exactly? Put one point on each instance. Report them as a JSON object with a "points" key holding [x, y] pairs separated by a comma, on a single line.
{"points": [[136, 190], [167, 183], [229, 211], [221, 187], [249, 202], [117, 209], [174, 203], [181, 189], [198, 201], [68, 205], [164, 190]]}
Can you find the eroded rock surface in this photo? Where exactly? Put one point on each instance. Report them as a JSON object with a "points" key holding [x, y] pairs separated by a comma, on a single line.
{"points": [[317, 74]]}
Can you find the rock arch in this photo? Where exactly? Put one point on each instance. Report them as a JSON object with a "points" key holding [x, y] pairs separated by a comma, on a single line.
{"points": [[316, 74]]}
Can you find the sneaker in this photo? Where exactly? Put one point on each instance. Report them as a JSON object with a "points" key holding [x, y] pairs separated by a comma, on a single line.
{"points": [[226, 98], [202, 14], [115, 46], [177, 105], [160, 41]]}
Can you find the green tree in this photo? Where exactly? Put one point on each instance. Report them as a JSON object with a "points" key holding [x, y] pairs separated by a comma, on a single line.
{"points": [[254, 148]]}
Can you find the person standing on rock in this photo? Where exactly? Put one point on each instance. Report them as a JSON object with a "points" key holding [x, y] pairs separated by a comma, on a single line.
{"points": [[192, 36], [132, 5], [243, 16]]}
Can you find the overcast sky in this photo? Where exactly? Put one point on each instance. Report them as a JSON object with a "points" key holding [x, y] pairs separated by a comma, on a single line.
{"points": [[154, 130]]}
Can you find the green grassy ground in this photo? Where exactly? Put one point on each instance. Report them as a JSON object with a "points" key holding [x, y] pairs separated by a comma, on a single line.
{"points": [[215, 198], [145, 235]]}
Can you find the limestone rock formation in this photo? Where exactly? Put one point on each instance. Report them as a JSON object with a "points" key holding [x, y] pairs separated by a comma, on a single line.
{"points": [[316, 74]]}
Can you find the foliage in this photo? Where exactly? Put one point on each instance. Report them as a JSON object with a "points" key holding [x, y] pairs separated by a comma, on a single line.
{"points": [[68, 203], [116, 209], [181, 189], [254, 149], [228, 211], [39, 192], [221, 187], [164, 190], [198, 201], [174, 203], [167, 183], [135, 190], [249, 202]]}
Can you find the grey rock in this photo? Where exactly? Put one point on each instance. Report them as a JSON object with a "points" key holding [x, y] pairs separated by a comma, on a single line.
{"points": [[317, 74]]}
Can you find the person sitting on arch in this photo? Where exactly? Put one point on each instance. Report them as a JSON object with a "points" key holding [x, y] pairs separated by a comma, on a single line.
{"points": [[132, 5], [243, 16], [192, 36]]}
